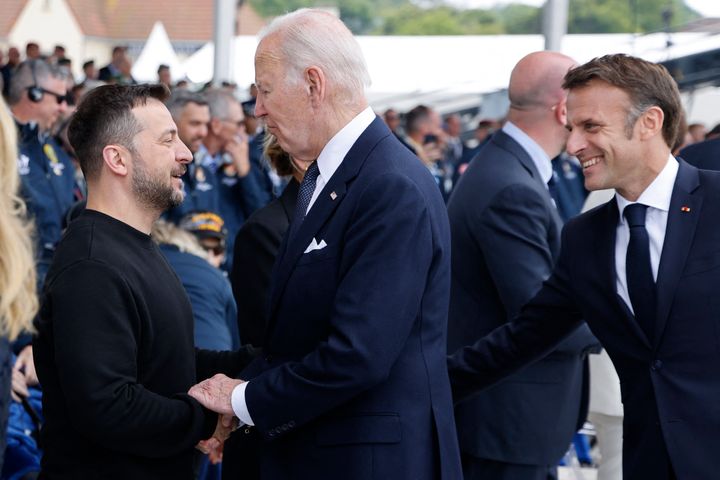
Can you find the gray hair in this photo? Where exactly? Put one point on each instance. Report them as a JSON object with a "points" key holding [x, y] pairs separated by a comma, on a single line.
{"points": [[31, 73], [180, 99], [312, 37], [219, 102]]}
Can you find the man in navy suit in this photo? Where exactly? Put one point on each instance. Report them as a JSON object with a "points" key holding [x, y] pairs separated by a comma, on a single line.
{"points": [[505, 239], [647, 287], [703, 154], [354, 381]]}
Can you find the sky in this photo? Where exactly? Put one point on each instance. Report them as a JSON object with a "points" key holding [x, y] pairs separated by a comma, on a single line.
{"points": [[707, 8]]}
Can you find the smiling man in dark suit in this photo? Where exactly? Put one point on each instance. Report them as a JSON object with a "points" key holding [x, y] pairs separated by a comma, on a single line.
{"points": [[642, 270], [505, 240], [354, 383]]}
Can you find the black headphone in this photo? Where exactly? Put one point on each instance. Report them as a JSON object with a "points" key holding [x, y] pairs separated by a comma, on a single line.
{"points": [[35, 93]]}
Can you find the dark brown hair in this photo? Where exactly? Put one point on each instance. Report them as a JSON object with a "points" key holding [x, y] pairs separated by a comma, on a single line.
{"points": [[104, 117], [647, 84]]}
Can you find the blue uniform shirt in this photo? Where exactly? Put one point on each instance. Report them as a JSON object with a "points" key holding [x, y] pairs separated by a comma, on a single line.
{"points": [[48, 187]]}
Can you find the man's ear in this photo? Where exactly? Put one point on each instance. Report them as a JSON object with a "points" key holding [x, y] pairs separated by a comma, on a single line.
{"points": [[116, 158], [315, 79], [560, 110], [651, 122]]}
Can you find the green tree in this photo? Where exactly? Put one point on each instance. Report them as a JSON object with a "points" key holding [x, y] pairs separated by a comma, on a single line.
{"points": [[520, 19]]}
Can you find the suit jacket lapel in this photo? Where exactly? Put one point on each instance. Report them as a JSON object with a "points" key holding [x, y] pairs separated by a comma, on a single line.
{"points": [[679, 234], [508, 143], [324, 206]]}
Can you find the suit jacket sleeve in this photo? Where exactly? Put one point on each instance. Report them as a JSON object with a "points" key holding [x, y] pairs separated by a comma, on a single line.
{"points": [[384, 268], [543, 323]]}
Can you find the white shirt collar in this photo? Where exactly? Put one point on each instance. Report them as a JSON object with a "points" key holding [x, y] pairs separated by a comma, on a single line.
{"points": [[541, 159], [658, 193], [339, 145]]}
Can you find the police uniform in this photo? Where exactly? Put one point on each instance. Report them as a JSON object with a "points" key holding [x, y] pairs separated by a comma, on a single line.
{"points": [[201, 193], [48, 187]]}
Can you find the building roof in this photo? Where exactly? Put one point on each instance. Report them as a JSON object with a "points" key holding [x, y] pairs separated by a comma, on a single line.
{"points": [[184, 20], [9, 14]]}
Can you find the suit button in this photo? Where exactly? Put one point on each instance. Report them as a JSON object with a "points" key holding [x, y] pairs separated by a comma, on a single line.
{"points": [[269, 358], [656, 365]]}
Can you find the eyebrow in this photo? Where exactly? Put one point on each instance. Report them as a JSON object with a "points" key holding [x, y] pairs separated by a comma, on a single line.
{"points": [[169, 131]]}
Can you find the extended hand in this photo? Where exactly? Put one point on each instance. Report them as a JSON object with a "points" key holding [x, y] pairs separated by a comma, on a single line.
{"points": [[214, 393], [213, 446]]}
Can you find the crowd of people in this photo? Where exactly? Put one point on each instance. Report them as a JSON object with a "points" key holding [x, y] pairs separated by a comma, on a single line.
{"points": [[195, 263]]}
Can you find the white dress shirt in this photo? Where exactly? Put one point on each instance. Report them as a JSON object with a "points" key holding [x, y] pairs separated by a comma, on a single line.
{"points": [[542, 161], [328, 162], [657, 197]]}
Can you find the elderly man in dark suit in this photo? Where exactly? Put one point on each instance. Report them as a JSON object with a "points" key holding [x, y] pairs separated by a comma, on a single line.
{"points": [[642, 270], [505, 239], [354, 383]]}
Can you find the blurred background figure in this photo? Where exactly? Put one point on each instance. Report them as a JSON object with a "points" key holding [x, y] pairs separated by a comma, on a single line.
{"points": [[38, 100], [89, 71], [194, 250], [32, 51], [191, 114], [257, 244], [697, 132], [118, 70], [6, 70], [18, 300], [164, 76], [225, 154]]}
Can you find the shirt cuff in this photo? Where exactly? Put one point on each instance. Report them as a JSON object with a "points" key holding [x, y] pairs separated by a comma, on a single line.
{"points": [[237, 399]]}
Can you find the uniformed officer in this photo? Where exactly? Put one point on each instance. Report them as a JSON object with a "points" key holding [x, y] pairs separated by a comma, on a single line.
{"points": [[37, 100], [191, 114]]}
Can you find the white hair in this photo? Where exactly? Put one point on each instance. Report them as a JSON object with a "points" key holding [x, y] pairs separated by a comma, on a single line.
{"points": [[312, 37]]}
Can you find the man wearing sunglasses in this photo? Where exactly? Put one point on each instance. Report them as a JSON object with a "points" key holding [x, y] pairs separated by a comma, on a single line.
{"points": [[38, 99]]}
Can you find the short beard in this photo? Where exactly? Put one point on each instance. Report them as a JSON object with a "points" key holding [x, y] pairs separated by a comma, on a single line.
{"points": [[153, 192]]}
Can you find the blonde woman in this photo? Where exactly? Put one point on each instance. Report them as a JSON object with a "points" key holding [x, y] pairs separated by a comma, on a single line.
{"points": [[18, 300]]}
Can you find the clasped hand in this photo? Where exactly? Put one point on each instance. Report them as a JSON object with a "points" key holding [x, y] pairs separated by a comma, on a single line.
{"points": [[215, 394]]}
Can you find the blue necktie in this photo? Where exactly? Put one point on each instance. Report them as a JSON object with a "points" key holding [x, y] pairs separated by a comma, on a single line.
{"points": [[305, 193], [638, 270], [306, 190]]}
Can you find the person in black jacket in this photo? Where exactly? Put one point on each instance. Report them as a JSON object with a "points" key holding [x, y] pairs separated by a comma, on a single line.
{"points": [[114, 351], [257, 244]]}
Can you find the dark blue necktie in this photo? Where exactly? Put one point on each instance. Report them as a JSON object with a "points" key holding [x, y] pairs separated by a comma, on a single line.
{"points": [[306, 190], [305, 193], [640, 282]]}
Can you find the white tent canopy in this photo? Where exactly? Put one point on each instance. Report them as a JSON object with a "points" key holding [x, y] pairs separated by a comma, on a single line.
{"points": [[461, 64], [157, 50], [454, 71]]}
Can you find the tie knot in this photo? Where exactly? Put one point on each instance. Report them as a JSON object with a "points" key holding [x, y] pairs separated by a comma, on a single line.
{"points": [[635, 214], [311, 173]]}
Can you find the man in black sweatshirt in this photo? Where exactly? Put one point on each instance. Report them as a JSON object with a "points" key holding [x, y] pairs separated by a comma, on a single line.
{"points": [[114, 351]]}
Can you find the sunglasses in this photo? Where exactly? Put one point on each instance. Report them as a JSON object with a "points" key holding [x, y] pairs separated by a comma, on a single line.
{"points": [[60, 98], [218, 249]]}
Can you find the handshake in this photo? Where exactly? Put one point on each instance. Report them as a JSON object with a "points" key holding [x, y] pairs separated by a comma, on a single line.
{"points": [[215, 394]]}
